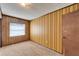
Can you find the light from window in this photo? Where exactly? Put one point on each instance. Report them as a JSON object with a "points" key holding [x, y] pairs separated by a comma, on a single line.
{"points": [[17, 29]]}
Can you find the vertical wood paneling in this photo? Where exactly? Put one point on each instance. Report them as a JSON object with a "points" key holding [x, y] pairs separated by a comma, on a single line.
{"points": [[0, 32], [43, 31], [60, 31], [6, 39], [55, 31], [50, 28], [49, 31], [46, 28]]}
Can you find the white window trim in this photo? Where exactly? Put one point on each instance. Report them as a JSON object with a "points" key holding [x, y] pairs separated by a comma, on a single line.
{"points": [[18, 29]]}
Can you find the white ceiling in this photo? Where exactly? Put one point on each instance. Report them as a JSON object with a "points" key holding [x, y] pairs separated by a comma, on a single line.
{"points": [[37, 9]]}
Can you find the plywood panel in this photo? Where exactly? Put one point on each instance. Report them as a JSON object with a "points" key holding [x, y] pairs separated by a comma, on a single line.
{"points": [[0, 32], [71, 33], [50, 31]]}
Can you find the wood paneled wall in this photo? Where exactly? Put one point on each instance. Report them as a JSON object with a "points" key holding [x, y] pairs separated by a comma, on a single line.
{"points": [[0, 32], [6, 39], [47, 30]]}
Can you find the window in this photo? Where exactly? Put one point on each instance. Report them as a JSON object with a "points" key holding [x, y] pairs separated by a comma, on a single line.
{"points": [[17, 29]]}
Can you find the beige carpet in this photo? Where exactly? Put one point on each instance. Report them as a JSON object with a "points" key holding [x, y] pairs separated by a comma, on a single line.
{"points": [[27, 48]]}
